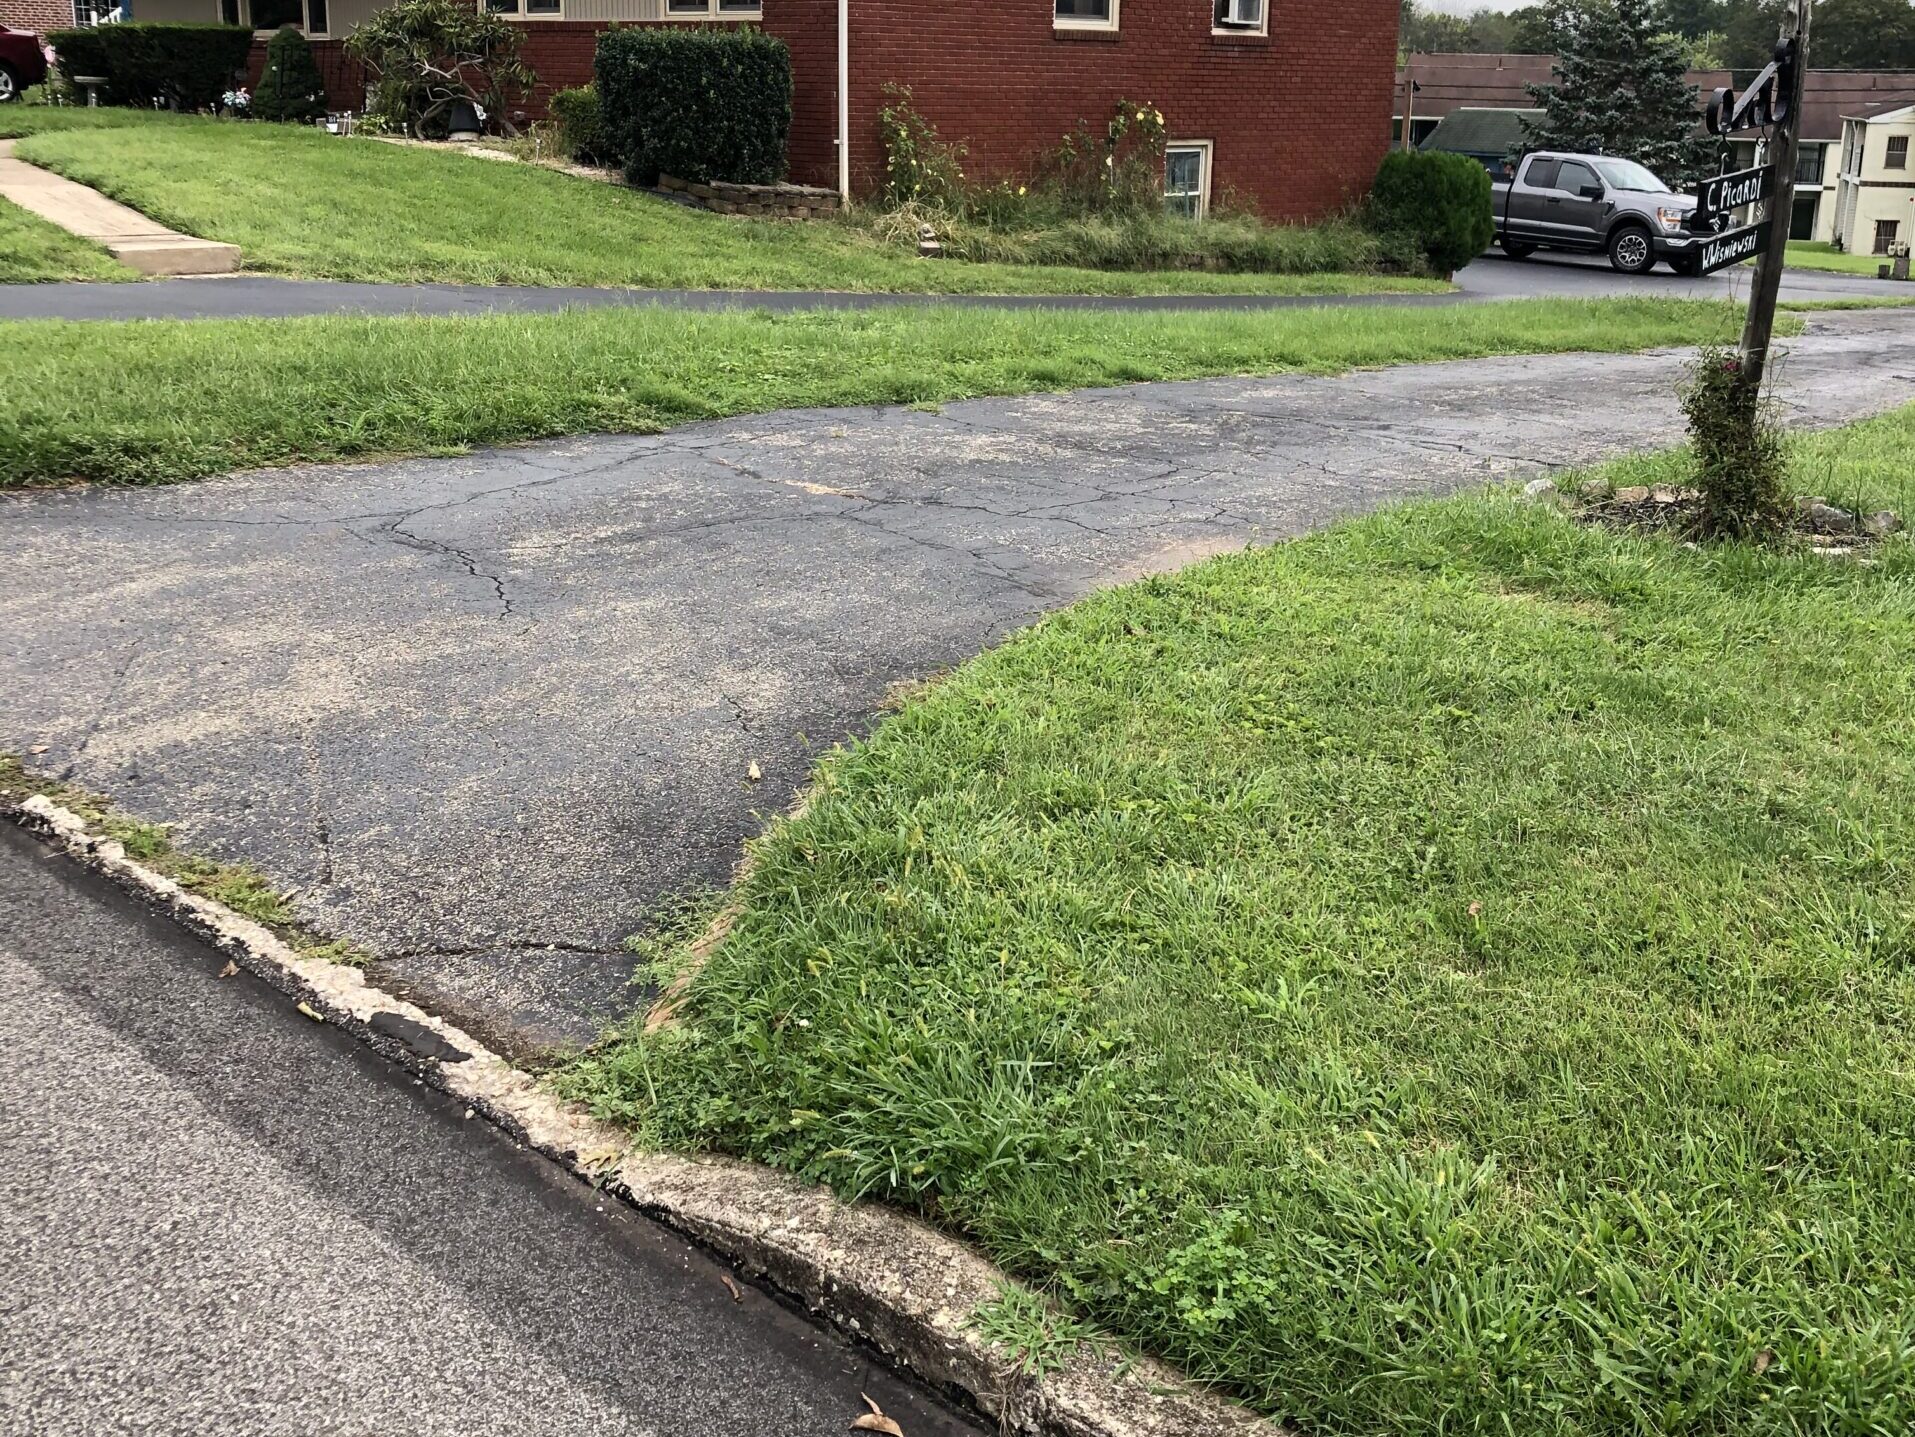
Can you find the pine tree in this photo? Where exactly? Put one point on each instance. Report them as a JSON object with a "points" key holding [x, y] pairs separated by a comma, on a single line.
{"points": [[1619, 89], [290, 87]]}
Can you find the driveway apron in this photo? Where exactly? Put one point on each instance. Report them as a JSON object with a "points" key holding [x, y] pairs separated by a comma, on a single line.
{"points": [[490, 715]]}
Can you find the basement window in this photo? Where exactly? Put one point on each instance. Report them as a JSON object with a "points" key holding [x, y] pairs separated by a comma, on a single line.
{"points": [[1240, 17], [1187, 178], [1084, 14]]}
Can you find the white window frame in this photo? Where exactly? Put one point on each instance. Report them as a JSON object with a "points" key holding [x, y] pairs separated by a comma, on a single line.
{"points": [[1207, 149], [305, 19], [710, 11], [1262, 27], [1083, 22], [520, 12]]}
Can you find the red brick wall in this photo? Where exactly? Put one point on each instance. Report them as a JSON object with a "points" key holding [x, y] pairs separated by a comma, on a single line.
{"points": [[39, 16], [1299, 120]]}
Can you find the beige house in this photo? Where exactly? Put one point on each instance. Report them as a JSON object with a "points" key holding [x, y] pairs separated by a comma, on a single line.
{"points": [[1875, 186]]}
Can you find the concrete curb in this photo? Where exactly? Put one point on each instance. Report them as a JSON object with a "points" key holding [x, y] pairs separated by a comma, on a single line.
{"points": [[884, 1277]]}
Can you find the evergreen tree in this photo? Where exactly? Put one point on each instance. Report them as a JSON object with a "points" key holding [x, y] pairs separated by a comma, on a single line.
{"points": [[1619, 89], [290, 87]]}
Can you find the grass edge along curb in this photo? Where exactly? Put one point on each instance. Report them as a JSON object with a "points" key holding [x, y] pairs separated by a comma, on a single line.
{"points": [[237, 886], [885, 1278]]}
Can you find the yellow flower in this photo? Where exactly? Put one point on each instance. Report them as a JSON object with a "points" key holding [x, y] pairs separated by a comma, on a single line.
{"points": [[1020, 189], [1160, 116]]}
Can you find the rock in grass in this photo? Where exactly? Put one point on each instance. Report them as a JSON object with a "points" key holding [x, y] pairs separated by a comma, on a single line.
{"points": [[1594, 491], [1827, 519], [1882, 523], [1538, 488], [1632, 494]]}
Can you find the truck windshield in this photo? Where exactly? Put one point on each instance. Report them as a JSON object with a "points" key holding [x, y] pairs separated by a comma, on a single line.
{"points": [[1628, 175]]}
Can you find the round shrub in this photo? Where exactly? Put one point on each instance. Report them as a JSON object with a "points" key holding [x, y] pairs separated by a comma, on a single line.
{"points": [[581, 130], [290, 87], [1442, 200]]}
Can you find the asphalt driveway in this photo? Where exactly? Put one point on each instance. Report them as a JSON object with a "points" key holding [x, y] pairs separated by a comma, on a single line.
{"points": [[487, 714]]}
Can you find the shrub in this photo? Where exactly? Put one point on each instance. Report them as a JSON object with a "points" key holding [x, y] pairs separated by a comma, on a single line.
{"points": [[581, 126], [1738, 448], [184, 67], [290, 87], [423, 56], [918, 167], [1443, 200], [1119, 171], [699, 104]]}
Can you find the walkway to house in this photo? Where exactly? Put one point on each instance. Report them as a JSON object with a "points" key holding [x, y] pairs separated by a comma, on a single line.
{"points": [[129, 236], [270, 297], [485, 714]]}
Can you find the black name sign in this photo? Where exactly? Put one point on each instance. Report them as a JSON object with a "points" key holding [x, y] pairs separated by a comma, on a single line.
{"points": [[1724, 193], [1723, 250]]}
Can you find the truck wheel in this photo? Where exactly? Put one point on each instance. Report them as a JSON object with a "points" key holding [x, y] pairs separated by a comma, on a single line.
{"points": [[1630, 251], [1518, 249]]}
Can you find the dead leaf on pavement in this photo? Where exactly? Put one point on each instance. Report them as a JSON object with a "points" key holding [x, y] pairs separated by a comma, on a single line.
{"points": [[38, 748], [754, 773], [731, 1287], [1763, 1361], [312, 1012], [874, 1420], [230, 969]]}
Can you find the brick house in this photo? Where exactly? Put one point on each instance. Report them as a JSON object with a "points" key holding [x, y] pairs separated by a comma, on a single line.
{"points": [[39, 16], [1283, 103]]}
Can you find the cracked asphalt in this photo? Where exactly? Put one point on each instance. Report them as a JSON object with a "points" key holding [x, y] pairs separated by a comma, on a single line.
{"points": [[487, 714]]}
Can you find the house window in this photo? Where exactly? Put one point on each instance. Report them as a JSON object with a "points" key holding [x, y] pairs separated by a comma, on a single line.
{"points": [[274, 14], [711, 9], [1085, 14], [1187, 178], [1897, 152], [1239, 17], [1808, 164], [1884, 235], [265, 15], [228, 12]]}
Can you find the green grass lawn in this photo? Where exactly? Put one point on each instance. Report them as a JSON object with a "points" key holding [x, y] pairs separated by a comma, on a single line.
{"points": [[31, 250], [1451, 974], [297, 201], [200, 397], [1805, 255]]}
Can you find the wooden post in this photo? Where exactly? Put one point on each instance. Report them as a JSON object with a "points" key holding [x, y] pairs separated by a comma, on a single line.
{"points": [[1767, 286]]}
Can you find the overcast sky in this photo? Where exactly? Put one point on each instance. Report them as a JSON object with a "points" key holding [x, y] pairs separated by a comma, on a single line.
{"points": [[1470, 7]]}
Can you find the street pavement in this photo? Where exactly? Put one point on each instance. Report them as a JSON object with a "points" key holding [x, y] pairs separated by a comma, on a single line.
{"points": [[269, 297], [486, 714], [219, 1217]]}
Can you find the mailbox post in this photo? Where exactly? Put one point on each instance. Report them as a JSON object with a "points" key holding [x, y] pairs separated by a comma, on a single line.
{"points": [[1773, 102]]}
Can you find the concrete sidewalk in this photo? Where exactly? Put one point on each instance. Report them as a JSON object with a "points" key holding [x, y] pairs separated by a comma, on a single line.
{"points": [[126, 234], [486, 714]]}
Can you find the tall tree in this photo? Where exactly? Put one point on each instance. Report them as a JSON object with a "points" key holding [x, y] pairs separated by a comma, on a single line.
{"points": [[1619, 89]]}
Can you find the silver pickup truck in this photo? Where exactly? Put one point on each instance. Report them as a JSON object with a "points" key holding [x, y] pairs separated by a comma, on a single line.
{"points": [[1599, 204]]}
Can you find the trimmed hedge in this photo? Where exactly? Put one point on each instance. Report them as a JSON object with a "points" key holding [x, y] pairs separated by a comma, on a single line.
{"points": [[581, 128], [187, 67], [290, 87], [699, 104], [1442, 200]]}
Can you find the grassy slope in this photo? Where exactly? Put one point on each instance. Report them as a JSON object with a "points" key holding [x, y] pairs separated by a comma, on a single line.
{"points": [[1453, 973], [1805, 255], [342, 387], [31, 250], [300, 202]]}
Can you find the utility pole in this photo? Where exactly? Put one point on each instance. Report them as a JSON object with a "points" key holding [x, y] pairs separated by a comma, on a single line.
{"points": [[1783, 143]]}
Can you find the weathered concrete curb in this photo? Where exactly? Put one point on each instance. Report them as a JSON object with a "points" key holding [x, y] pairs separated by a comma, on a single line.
{"points": [[883, 1276]]}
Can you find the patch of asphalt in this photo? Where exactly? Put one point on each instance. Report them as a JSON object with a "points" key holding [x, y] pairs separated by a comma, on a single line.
{"points": [[267, 297], [357, 1245], [270, 297], [220, 1216], [486, 714]]}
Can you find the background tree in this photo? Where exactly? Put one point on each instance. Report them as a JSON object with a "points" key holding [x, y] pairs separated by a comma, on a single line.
{"points": [[1619, 89], [1486, 32], [1849, 34]]}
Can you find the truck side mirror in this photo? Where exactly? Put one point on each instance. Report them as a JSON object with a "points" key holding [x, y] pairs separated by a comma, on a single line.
{"points": [[1592, 192]]}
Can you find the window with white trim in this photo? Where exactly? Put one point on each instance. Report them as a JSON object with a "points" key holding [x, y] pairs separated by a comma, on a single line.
{"points": [[1084, 14], [1897, 157], [712, 9], [307, 16], [1187, 178], [1240, 17], [530, 9]]}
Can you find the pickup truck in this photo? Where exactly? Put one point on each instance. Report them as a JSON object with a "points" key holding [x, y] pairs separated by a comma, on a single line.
{"points": [[1598, 204]]}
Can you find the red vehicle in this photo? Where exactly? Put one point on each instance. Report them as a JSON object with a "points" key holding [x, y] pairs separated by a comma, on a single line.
{"points": [[22, 62]]}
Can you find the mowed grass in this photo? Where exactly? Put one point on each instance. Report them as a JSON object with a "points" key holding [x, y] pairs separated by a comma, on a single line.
{"points": [[32, 251], [1451, 974], [1804, 254], [336, 388], [300, 202]]}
